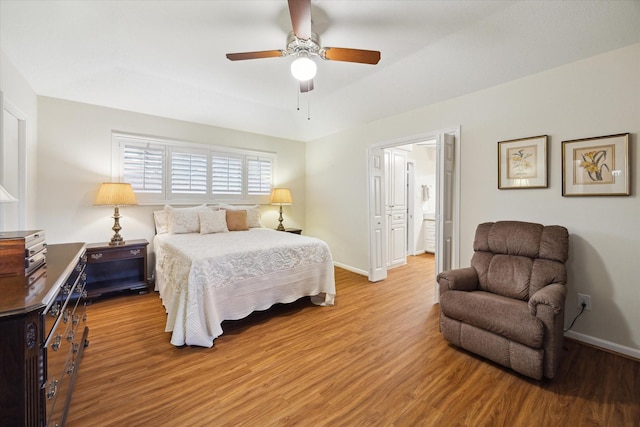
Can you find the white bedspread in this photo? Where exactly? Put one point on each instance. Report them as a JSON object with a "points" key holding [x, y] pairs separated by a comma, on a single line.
{"points": [[205, 279]]}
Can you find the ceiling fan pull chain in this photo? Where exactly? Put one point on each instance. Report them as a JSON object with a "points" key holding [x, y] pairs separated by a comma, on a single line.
{"points": [[308, 106]]}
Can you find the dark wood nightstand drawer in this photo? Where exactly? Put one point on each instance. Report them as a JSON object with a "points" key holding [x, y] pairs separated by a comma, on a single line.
{"points": [[104, 255]]}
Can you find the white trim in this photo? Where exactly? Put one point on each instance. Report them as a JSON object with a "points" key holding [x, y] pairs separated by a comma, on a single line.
{"points": [[12, 109], [411, 224], [411, 139], [604, 344]]}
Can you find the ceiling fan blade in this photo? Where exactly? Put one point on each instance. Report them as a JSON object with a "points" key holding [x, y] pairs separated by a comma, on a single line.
{"points": [[306, 86], [255, 55], [351, 55], [300, 11]]}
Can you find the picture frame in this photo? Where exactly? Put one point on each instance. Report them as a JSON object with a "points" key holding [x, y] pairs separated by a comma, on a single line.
{"points": [[597, 166], [522, 163]]}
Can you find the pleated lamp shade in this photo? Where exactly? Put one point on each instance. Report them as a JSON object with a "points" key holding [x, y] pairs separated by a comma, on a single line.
{"points": [[281, 196], [115, 194]]}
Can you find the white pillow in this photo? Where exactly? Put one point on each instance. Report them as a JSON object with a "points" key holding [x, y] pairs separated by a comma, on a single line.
{"points": [[253, 213], [213, 221], [162, 221], [184, 220]]}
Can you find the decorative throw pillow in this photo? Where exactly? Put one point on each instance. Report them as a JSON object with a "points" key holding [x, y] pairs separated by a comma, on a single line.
{"points": [[184, 220], [253, 213], [213, 221], [236, 220], [162, 221]]}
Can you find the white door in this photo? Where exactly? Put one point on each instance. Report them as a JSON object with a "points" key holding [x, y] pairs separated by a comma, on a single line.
{"points": [[397, 239], [399, 180], [411, 239], [388, 187], [395, 196], [377, 220], [445, 202]]}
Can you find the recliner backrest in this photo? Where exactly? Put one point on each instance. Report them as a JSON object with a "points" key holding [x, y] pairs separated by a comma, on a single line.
{"points": [[516, 259]]}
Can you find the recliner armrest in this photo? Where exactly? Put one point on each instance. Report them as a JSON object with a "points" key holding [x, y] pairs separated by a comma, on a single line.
{"points": [[552, 295], [461, 279]]}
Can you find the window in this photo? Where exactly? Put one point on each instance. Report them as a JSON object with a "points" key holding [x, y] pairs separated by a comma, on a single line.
{"points": [[188, 172], [143, 168], [162, 171], [258, 175], [226, 175]]}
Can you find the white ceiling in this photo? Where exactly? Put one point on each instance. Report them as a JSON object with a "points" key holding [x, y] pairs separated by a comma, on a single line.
{"points": [[167, 58]]}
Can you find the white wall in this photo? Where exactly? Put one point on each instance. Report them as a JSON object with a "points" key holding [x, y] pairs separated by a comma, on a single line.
{"points": [[17, 91], [594, 97], [74, 157]]}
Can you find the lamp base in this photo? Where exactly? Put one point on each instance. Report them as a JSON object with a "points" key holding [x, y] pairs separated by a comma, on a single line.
{"points": [[117, 239], [280, 226], [115, 242]]}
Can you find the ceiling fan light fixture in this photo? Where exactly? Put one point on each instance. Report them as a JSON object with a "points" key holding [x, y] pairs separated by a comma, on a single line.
{"points": [[303, 68]]}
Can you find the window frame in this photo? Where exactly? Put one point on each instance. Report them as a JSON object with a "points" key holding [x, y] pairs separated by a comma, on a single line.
{"points": [[168, 147]]}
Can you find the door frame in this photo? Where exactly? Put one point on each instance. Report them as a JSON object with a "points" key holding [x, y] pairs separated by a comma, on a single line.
{"points": [[375, 251], [21, 193], [411, 232]]}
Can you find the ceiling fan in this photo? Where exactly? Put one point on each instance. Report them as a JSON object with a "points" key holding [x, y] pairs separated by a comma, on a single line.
{"points": [[304, 44]]}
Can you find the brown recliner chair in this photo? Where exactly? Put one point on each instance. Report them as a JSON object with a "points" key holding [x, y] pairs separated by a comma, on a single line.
{"points": [[509, 305]]}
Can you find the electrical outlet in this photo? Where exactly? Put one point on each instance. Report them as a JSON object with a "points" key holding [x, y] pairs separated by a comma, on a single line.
{"points": [[584, 299]]}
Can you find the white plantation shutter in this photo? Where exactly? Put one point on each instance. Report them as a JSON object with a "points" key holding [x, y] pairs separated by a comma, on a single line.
{"points": [[258, 175], [143, 167], [164, 171], [226, 175], [188, 172]]}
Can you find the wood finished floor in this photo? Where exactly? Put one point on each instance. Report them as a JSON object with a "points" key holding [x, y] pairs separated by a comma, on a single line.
{"points": [[374, 359]]}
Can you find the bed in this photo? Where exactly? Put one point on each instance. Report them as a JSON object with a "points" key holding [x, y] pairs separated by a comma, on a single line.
{"points": [[206, 278]]}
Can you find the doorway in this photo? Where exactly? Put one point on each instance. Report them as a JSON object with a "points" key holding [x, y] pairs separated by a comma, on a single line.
{"points": [[446, 214], [421, 195]]}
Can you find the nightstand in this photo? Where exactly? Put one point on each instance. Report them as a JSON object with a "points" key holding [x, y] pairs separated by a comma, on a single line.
{"points": [[293, 230], [116, 268]]}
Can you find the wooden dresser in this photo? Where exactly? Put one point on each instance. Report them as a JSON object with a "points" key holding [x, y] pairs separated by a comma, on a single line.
{"points": [[43, 333]]}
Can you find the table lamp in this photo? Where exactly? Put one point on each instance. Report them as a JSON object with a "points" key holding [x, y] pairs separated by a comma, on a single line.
{"points": [[281, 196], [116, 194]]}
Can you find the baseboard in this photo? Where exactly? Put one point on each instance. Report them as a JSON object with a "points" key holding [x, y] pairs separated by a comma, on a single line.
{"points": [[352, 269], [606, 345]]}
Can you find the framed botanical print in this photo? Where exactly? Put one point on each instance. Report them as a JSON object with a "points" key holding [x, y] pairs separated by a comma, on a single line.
{"points": [[522, 163], [596, 166]]}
